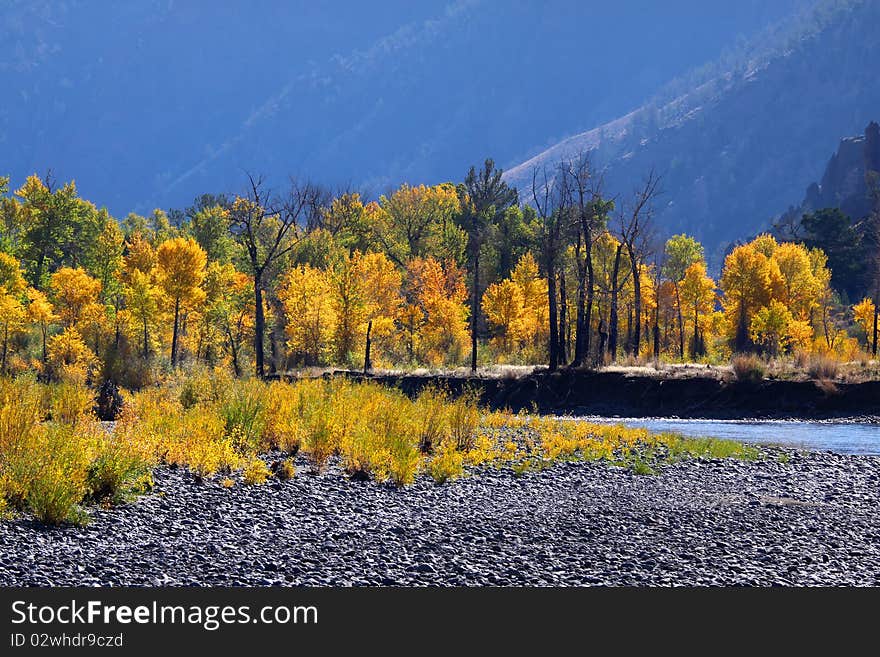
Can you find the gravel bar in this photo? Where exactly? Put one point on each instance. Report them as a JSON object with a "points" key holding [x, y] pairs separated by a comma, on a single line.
{"points": [[792, 518]]}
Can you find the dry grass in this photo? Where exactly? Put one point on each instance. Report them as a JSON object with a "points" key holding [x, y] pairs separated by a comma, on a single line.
{"points": [[748, 368], [823, 368]]}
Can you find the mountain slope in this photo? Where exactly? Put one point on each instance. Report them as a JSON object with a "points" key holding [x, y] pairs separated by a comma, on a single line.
{"points": [[150, 103], [743, 146]]}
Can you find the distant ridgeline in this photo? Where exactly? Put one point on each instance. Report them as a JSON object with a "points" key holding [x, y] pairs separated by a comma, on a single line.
{"points": [[841, 214]]}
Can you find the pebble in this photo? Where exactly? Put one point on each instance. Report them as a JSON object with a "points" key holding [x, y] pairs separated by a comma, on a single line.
{"points": [[693, 523]]}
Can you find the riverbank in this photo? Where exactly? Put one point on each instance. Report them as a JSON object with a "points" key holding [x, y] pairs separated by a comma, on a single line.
{"points": [[627, 394], [788, 518]]}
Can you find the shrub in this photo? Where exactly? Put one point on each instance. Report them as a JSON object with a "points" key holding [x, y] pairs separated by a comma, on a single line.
{"points": [[641, 468], [200, 444], [748, 368], [202, 385], [405, 459], [256, 472], [118, 470], [822, 368], [433, 417], [71, 403], [284, 469], [108, 404], [828, 387], [464, 418], [244, 415], [319, 444], [448, 463], [283, 426], [364, 454], [69, 358], [57, 484]]}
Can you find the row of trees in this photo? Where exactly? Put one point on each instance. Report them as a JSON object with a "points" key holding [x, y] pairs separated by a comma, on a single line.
{"points": [[439, 275]]}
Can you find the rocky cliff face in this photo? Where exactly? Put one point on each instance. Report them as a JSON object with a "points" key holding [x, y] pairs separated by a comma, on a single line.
{"points": [[845, 183]]}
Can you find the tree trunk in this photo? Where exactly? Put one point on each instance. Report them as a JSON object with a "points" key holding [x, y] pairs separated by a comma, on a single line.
{"points": [[613, 319], [233, 348], [874, 342], [742, 331], [588, 318], [603, 340], [680, 321], [277, 334], [551, 300], [637, 306], [174, 334], [580, 312], [146, 339], [656, 331], [259, 326], [629, 330], [368, 364], [475, 308], [44, 331], [563, 320]]}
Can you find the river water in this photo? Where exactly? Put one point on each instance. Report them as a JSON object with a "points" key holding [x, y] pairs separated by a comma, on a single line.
{"points": [[840, 437]]}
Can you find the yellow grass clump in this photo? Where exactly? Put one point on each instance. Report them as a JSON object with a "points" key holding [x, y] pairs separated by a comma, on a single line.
{"points": [[55, 457]]}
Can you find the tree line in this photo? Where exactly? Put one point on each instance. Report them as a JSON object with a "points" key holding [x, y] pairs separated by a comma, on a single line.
{"points": [[476, 273]]}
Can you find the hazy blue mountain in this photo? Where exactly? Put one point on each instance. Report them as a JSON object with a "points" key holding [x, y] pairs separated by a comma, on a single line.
{"points": [[150, 103], [741, 141]]}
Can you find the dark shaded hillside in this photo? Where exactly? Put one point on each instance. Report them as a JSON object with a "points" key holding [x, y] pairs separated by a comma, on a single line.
{"points": [[151, 102], [737, 149]]}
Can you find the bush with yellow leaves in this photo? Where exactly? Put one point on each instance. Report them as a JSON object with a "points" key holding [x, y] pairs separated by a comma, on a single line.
{"points": [[256, 472], [69, 358]]}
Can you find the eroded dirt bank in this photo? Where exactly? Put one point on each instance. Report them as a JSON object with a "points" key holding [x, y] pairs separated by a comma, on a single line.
{"points": [[615, 393]]}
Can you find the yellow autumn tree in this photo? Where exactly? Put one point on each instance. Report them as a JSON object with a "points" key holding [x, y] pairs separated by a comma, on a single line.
{"points": [[770, 327], [380, 282], [12, 312], [140, 256], [307, 296], [418, 222], [12, 321], [504, 307], [534, 325], [865, 317], [69, 358], [181, 269], [230, 308], [800, 287], [746, 283], [697, 295], [40, 312], [439, 292], [350, 309], [142, 300], [76, 296]]}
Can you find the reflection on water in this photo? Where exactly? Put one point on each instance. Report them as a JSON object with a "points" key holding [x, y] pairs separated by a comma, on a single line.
{"points": [[841, 437]]}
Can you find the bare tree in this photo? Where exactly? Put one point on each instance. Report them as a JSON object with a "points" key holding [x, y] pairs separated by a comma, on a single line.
{"points": [[613, 314], [268, 228], [552, 198], [635, 223], [591, 212]]}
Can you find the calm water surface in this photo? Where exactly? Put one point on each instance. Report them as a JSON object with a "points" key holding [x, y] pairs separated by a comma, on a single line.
{"points": [[840, 437]]}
